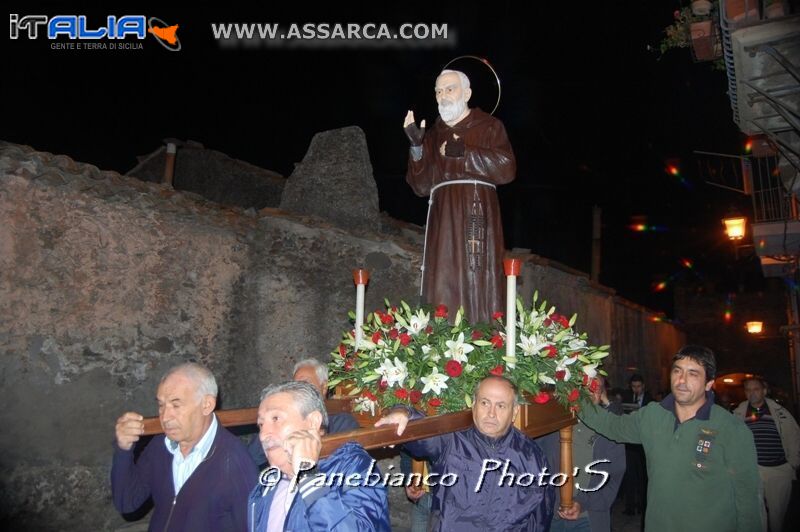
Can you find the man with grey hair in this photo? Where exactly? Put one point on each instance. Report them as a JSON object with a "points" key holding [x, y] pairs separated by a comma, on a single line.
{"points": [[300, 491], [777, 440], [314, 372], [199, 475], [459, 163]]}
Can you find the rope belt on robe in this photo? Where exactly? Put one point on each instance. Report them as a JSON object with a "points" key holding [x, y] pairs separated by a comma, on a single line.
{"points": [[474, 182]]}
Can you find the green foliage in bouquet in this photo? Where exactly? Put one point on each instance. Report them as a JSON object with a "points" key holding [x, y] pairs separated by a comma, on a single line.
{"points": [[416, 357]]}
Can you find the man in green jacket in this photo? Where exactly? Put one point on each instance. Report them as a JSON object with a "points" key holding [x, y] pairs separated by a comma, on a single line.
{"points": [[701, 460]]}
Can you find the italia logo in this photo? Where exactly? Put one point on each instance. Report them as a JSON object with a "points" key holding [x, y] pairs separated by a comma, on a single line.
{"points": [[76, 27]]}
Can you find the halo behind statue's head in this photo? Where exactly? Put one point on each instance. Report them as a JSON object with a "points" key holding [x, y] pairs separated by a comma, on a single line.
{"points": [[484, 81]]}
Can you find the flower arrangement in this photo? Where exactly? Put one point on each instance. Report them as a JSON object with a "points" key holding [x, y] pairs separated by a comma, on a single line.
{"points": [[416, 357]]}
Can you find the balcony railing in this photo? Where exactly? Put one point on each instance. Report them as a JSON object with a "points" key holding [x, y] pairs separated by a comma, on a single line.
{"points": [[772, 201]]}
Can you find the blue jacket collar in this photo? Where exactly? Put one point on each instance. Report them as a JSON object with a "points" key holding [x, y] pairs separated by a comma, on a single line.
{"points": [[703, 413], [500, 441]]}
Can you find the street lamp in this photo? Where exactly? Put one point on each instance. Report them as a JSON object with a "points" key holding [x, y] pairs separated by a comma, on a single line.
{"points": [[754, 327], [735, 227]]}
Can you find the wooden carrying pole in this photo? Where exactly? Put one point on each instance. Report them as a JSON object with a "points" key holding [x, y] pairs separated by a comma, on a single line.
{"points": [[534, 420]]}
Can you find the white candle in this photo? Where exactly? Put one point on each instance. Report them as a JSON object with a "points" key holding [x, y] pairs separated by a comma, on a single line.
{"points": [[512, 267], [360, 278]]}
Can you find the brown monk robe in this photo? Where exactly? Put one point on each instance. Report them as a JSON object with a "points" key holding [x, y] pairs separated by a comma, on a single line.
{"points": [[464, 239]]}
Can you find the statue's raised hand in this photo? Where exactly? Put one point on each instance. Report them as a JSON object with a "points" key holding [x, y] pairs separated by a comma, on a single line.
{"points": [[415, 134]]}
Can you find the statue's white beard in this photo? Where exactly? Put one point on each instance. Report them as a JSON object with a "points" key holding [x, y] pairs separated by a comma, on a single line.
{"points": [[450, 111]]}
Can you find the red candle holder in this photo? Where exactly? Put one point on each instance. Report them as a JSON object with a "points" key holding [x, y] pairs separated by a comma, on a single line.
{"points": [[512, 266], [361, 276]]}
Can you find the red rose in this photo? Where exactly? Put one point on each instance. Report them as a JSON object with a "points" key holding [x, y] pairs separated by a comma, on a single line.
{"points": [[551, 351], [401, 393], [348, 364], [477, 335], [415, 396], [560, 374], [342, 350], [541, 398], [376, 336], [393, 334], [498, 315], [435, 402], [369, 395], [547, 322], [573, 395], [383, 384], [594, 385], [405, 339], [498, 370], [562, 320], [387, 319], [441, 311], [453, 368], [428, 329], [497, 341]]}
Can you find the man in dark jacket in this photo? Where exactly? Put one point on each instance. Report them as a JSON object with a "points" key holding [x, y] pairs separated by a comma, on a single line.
{"points": [[299, 491], [199, 475], [634, 486], [458, 164], [482, 459], [593, 500]]}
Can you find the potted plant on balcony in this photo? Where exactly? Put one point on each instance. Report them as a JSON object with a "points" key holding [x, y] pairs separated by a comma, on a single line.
{"points": [[698, 31]]}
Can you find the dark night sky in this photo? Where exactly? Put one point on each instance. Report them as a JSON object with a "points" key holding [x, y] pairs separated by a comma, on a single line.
{"points": [[592, 115]]}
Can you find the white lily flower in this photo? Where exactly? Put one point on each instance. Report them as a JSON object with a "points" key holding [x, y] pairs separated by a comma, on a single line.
{"points": [[469, 368], [576, 344], [426, 349], [564, 364], [418, 322], [590, 370], [545, 379], [435, 381], [393, 373], [457, 349], [532, 344], [364, 404]]}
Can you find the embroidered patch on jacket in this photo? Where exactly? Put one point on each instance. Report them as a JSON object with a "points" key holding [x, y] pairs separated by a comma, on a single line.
{"points": [[705, 443]]}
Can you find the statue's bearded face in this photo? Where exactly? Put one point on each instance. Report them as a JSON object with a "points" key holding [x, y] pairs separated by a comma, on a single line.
{"points": [[451, 97]]}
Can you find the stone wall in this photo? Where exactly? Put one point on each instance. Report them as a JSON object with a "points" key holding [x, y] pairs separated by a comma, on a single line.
{"points": [[106, 281], [640, 342]]}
